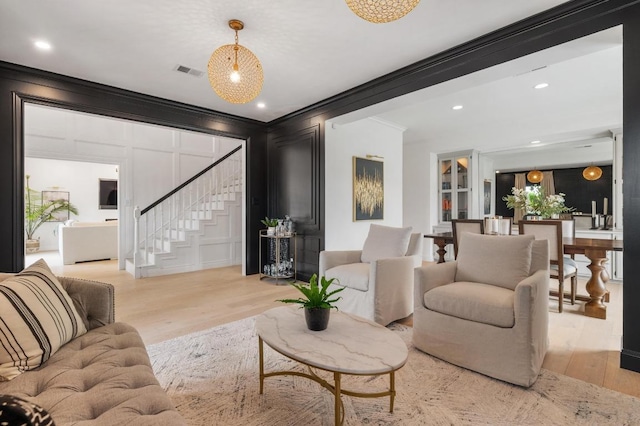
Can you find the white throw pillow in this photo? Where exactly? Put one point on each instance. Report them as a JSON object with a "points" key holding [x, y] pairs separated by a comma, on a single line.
{"points": [[37, 317], [384, 242]]}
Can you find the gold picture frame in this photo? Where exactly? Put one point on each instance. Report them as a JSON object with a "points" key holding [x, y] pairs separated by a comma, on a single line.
{"points": [[368, 189]]}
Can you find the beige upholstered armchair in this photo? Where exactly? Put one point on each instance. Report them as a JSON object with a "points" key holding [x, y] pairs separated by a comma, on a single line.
{"points": [[488, 311], [378, 279]]}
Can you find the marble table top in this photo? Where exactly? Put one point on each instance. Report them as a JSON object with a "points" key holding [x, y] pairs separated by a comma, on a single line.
{"points": [[350, 344]]}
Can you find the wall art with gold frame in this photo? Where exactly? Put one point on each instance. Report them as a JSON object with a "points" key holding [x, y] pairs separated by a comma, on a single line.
{"points": [[368, 189]]}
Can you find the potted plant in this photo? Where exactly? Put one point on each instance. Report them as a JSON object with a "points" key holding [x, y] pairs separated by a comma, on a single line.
{"points": [[38, 211], [270, 224], [535, 202], [317, 302]]}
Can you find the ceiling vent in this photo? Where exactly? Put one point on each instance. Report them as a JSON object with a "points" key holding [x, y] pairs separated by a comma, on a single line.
{"points": [[191, 71], [530, 71]]}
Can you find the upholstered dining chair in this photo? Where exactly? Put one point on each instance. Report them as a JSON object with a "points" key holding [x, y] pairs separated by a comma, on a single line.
{"points": [[377, 280], [459, 226], [488, 311], [562, 267]]}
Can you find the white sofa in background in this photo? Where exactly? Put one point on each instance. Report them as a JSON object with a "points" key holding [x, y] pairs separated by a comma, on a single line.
{"points": [[83, 241]]}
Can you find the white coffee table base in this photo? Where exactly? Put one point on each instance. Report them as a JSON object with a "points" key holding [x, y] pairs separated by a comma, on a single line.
{"points": [[335, 389]]}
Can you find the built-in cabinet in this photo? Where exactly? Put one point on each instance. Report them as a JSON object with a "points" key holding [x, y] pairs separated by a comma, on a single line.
{"points": [[456, 182], [455, 185]]}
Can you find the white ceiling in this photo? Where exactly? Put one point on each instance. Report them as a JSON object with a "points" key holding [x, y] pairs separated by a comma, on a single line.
{"points": [[502, 112], [310, 49]]}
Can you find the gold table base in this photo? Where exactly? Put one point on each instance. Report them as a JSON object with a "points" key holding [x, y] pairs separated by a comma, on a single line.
{"points": [[335, 388]]}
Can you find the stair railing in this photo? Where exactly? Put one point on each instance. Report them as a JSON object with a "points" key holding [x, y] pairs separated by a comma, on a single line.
{"points": [[172, 215]]}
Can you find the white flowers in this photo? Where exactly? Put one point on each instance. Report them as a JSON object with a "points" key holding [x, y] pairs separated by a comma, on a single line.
{"points": [[533, 201]]}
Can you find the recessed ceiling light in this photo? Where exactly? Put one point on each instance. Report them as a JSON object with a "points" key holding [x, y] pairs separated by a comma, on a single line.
{"points": [[42, 45], [535, 142], [541, 86], [497, 171], [261, 105], [457, 107]]}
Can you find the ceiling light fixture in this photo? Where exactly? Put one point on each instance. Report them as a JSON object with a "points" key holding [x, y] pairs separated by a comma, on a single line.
{"points": [[541, 86], [235, 73], [457, 107], [381, 11], [42, 45], [535, 142], [261, 105], [534, 176], [592, 172]]}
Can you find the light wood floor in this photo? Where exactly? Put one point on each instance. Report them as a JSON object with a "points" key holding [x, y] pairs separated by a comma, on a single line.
{"points": [[166, 307]]}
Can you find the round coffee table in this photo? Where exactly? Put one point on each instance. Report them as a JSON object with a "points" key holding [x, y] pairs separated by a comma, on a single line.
{"points": [[350, 345]]}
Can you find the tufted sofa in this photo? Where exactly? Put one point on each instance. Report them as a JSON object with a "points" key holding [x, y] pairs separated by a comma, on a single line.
{"points": [[103, 377]]}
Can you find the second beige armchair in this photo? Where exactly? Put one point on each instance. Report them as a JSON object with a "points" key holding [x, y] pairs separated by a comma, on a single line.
{"points": [[378, 279], [488, 311]]}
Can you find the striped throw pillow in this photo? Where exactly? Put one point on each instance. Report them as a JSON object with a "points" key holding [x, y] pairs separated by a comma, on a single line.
{"points": [[37, 317]]}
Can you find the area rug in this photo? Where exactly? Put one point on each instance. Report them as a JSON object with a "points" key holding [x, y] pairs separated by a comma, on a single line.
{"points": [[212, 378]]}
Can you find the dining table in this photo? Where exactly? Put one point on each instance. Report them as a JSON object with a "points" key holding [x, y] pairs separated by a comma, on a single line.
{"points": [[595, 249], [441, 239]]}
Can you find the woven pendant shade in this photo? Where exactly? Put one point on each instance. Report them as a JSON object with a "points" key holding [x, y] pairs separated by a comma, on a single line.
{"points": [[246, 83], [534, 176], [592, 173], [381, 11]]}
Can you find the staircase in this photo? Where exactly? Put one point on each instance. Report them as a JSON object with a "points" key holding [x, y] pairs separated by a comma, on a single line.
{"points": [[196, 226]]}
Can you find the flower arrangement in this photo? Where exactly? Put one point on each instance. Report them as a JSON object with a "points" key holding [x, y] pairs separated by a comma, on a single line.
{"points": [[534, 201]]}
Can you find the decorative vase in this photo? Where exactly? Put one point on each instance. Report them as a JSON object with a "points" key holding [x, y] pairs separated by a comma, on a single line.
{"points": [[32, 246], [271, 230], [317, 318], [555, 216]]}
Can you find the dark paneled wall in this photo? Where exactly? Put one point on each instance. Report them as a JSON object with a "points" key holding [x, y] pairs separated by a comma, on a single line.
{"points": [[579, 191], [294, 189], [630, 357]]}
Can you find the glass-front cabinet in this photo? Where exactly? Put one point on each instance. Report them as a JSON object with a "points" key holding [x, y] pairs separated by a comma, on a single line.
{"points": [[455, 186]]}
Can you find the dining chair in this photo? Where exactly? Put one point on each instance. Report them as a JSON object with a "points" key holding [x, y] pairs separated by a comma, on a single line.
{"points": [[561, 266], [459, 226], [568, 228]]}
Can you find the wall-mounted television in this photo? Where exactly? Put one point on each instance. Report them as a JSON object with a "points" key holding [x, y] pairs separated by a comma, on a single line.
{"points": [[108, 194]]}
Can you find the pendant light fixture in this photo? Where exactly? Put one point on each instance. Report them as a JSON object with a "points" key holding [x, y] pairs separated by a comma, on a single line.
{"points": [[235, 73], [592, 172], [381, 11], [534, 176]]}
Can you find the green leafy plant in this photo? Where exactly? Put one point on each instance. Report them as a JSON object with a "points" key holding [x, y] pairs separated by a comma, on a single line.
{"points": [[316, 296], [269, 223], [535, 201], [37, 211]]}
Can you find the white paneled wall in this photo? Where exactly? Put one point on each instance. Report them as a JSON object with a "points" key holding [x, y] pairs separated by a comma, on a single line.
{"points": [[152, 160]]}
